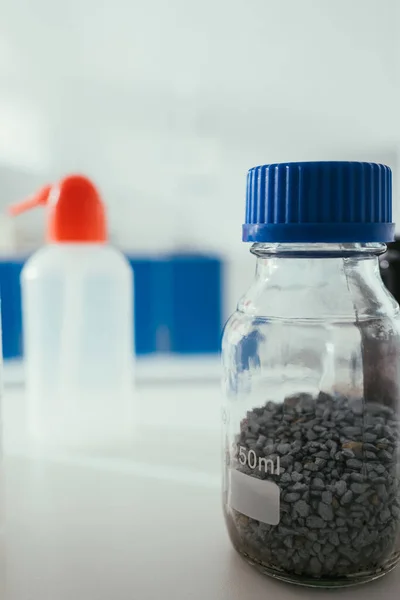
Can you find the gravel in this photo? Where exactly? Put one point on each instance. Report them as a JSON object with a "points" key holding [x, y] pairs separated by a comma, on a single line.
{"points": [[325, 511], [301, 509], [327, 497], [340, 503], [340, 487], [292, 497], [347, 497]]}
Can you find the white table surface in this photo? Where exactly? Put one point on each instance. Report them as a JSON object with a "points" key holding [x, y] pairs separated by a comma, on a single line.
{"points": [[139, 527]]}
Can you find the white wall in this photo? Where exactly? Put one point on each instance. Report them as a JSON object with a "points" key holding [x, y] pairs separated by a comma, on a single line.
{"points": [[167, 103]]}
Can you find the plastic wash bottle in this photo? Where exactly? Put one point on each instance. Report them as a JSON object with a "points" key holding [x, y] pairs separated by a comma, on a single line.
{"points": [[77, 298]]}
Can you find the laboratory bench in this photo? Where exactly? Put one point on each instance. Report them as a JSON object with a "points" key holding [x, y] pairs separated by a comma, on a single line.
{"points": [[143, 525]]}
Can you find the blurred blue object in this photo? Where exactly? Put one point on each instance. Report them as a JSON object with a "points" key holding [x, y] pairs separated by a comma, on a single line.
{"points": [[178, 303], [196, 304], [152, 294], [11, 309]]}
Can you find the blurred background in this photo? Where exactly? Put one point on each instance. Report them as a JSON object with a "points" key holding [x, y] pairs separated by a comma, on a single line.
{"points": [[165, 105]]}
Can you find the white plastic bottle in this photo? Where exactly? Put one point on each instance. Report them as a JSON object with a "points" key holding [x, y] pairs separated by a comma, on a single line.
{"points": [[77, 295]]}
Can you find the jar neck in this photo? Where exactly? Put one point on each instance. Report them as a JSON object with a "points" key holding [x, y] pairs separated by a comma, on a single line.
{"points": [[319, 250], [315, 280], [311, 264]]}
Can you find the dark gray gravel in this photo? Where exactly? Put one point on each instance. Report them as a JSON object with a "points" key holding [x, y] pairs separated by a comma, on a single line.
{"points": [[340, 503]]}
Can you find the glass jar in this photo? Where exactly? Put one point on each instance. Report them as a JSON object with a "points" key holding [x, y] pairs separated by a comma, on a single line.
{"points": [[311, 363]]}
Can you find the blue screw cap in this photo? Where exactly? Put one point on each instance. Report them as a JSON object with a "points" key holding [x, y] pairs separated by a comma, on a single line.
{"points": [[310, 202]]}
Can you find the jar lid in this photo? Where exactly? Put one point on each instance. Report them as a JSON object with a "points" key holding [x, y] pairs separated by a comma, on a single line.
{"points": [[310, 202]]}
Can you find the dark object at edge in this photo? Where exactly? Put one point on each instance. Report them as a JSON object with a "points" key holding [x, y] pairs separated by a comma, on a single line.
{"points": [[390, 268]]}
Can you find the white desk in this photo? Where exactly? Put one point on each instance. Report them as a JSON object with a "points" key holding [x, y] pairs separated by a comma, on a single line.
{"points": [[145, 527]]}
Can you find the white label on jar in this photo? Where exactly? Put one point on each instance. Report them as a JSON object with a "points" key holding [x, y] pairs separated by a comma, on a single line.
{"points": [[256, 498]]}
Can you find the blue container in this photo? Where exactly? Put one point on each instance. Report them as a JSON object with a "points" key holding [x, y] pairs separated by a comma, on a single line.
{"points": [[153, 304], [11, 309], [197, 304]]}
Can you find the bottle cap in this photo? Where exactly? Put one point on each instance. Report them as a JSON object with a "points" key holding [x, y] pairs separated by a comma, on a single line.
{"points": [[316, 202], [75, 211]]}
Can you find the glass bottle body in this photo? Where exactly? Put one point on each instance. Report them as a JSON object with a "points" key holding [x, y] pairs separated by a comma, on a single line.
{"points": [[311, 365]]}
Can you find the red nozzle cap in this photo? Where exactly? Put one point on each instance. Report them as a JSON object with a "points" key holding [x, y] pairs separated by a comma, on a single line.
{"points": [[75, 211]]}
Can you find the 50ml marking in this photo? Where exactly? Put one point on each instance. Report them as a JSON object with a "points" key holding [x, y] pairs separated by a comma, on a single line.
{"points": [[250, 458]]}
